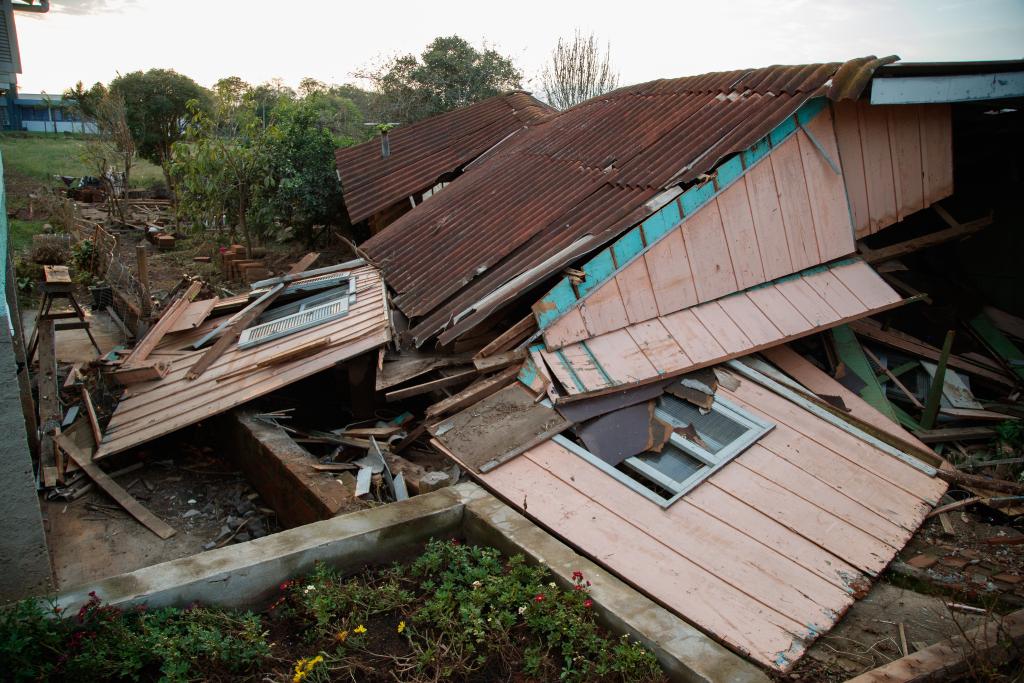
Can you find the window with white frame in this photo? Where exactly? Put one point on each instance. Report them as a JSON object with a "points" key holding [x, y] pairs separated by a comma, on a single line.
{"points": [[701, 443]]}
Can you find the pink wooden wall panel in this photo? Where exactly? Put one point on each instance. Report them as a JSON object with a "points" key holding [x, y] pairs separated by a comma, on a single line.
{"points": [[765, 555], [897, 159], [787, 213], [716, 331]]}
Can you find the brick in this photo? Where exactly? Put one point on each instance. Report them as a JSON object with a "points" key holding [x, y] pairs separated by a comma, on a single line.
{"points": [[922, 561], [1009, 578], [954, 562]]}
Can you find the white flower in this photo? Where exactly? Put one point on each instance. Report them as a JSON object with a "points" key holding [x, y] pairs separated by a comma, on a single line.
{"points": [[552, 584], [522, 609], [476, 584]]}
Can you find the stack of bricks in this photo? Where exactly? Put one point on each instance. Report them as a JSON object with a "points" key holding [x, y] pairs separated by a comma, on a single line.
{"points": [[236, 265]]}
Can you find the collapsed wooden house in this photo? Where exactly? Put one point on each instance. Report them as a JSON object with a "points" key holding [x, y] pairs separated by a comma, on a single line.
{"points": [[623, 261]]}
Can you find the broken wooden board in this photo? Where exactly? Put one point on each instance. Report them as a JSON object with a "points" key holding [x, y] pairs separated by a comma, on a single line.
{"points": [[193, 315], [410, 366], [170, 317], [620, 434], [460, 377], [144, 371], [955, 392], [997, 342], [852, 356], [113, 489], [497, 428], [587, 409]]}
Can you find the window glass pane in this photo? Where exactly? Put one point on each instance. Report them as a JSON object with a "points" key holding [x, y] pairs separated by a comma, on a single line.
{"points": [[715, 429], [673, 462]]}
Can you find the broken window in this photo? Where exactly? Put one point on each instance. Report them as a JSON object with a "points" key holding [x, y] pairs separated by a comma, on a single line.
{"points": [[701, 442], [300, 315]]}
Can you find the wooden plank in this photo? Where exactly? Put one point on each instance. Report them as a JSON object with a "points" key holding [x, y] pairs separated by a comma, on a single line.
{"points": [[660, 348], [767, 215], [568, 329], [832, 290], [193, 315], [511, 337], [48, 397], [691, 335], [726, 332], [637, 291], [865, 284], [425, 388], [738, 221], [1009, 324], [90, 412], [998, 343], [955, 434], [167, 321], [146, 371], [905, 142], [853, 358], [811, 306], [874, 138], [892, 376], [472, 394], [742, 311], [777, 308], [626, 362], [603, 310], [937, 151], [851, 156], [114, 490], [986, 647], [930, 240], [287, 356], [795, 203], [670, 273], [708, 252], [499, 360], [830, 209], [577, 369]]}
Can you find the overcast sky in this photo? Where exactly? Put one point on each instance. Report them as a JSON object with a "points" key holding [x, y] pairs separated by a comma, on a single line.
{"points": [[93, 40]]}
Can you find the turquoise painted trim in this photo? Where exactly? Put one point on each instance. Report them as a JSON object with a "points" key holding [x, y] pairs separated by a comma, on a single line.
{"points": [[568, 368], [600, 368], [528, 373], [606, 263], [666, 218], [598, 269], [629, 245]]}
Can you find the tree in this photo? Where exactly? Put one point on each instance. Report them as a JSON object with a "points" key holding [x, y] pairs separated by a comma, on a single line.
{"points": [[577, 72], [450, 73], [156, 106], [111, 152], [83, 101]]}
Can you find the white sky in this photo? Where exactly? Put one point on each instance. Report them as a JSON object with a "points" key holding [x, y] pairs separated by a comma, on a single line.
{"points": [[93, 40]]}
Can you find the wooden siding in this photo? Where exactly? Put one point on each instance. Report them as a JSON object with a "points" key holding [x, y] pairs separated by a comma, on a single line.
{"points": [[897, 159], [788, 212], [768, 553], [713, 332], [152, 409]]}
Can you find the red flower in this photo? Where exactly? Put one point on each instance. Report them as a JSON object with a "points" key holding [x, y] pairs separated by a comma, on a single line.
{"points": [[539, 598], [577, 575], [455, 541], [588, 603], [577, 587], [286, 585]]}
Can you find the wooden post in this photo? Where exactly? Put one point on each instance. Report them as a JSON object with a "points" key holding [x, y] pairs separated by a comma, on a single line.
{"points": [[145, 301], [49, 401], [931, 406]]}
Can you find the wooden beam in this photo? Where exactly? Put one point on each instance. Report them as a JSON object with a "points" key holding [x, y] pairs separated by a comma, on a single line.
{"points": [[145, 371], [148, 343], [426, 387], [474, 393], [114, 490], [955, 434], [930, 240], [50, 415], [931, 406], [499, 360], [510, 337], [90, 412]]}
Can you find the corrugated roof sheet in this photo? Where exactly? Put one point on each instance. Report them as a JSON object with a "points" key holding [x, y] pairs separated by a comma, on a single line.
{"points": [[588, 171], [424, 151]]}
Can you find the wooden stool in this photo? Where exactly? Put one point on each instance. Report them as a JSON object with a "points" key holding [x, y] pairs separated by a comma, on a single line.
{"points": [[57, 284]]}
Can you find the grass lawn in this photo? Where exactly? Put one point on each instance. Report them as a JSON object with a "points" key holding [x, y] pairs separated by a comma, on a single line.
{"points": [[42, 156]]}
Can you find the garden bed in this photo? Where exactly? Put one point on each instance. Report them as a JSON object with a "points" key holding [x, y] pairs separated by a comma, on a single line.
{"points": [[455, 612]]}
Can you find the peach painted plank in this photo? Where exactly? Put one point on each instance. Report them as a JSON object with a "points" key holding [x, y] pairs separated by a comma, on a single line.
{"points": [[760, 528], [874, 139], [905, 141], [695, 340], [658, 345], [800, 483], [804, 299], [829, 207], [832, 438], [829, 288], [860, 549], [669, 270], [846, 477], [603, 310], [637, 291], [575, 369], [760, 573], [722, 328], [621, 358], [796, 206], [734, 208], [742, 311], [937, 151], [866, 284], [852, 158], [708, 251], [565, 330], [667, 577], [771, 232], [778, 309]]}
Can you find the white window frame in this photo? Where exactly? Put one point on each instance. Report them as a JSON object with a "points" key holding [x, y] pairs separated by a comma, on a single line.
{"points": [[755, 429]]}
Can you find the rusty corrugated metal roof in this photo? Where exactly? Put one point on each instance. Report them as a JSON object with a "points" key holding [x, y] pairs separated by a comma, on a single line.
{"points": [[424, 151], [588, 171]]}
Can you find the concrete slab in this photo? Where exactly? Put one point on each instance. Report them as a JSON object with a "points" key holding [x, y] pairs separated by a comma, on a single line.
{"points": [[73, 346]]}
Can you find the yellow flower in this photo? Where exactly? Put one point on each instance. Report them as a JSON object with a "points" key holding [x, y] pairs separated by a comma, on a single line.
{"points": [[401, 626], [359, 629], [341, 636]]}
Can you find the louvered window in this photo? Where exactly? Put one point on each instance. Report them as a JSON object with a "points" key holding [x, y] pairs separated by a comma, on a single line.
{"points": [[701, 444], [299, 315]]}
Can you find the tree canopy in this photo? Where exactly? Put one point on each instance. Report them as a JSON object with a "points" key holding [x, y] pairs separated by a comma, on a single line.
{"points": [[450, 73], [577, 72]]}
